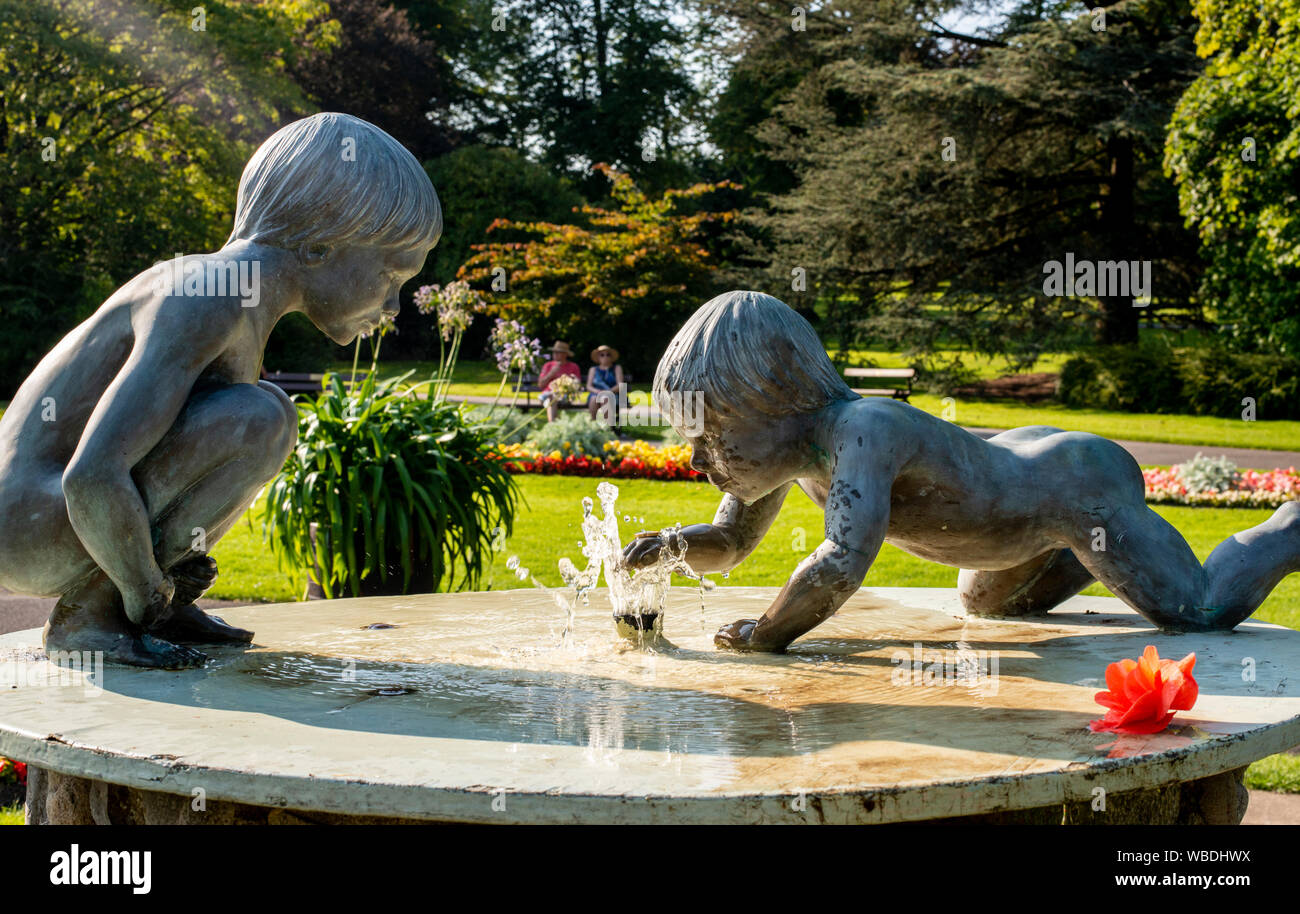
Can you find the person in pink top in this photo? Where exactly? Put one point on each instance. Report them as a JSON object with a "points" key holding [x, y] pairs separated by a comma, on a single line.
{"points": [[561, 363]]}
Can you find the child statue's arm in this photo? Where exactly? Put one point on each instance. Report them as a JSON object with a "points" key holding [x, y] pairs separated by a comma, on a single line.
{"points": [[857, 519], [736, 531], [105, 507]]}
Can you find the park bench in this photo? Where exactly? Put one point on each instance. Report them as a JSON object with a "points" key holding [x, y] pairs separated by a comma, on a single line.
{"points": [[897, 391], [291, 382], [527, 386]]}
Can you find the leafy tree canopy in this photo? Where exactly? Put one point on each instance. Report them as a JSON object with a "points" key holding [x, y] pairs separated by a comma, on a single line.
{"points": [[628, 277], [938, 173], [1234, 151], [123, 128]]}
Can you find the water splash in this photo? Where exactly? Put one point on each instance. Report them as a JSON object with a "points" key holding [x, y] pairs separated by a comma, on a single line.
{"points": [[638, 597]]}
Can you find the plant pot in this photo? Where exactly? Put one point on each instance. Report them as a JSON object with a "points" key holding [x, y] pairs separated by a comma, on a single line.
{"points": [[371, 584]]}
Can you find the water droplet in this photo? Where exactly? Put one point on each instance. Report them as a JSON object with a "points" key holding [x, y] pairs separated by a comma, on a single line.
{"points": [[726, 574], [513, 562], [626, 519]]}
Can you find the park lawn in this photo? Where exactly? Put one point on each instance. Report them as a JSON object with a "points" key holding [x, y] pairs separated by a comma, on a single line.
{"points": [[553, 509], [1212, 431], [482, 379], [1279, 773]]}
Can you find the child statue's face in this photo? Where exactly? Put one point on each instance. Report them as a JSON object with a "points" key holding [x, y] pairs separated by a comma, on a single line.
{"points": [[742, 457], [350, 289]]}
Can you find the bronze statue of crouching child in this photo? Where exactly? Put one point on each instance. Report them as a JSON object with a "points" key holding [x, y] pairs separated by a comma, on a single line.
{"points": [[145, 433], [1019, 514]]}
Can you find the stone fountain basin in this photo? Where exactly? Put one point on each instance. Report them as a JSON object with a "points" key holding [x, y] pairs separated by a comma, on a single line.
{"points": [[468, 708]]}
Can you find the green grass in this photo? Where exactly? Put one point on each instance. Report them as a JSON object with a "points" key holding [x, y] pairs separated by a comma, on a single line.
{"points": [[482, 379], [11, 815], [548, 528], [1279, 773], [1282, 435]]}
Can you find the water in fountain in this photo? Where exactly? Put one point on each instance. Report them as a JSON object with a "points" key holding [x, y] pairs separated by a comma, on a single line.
{"points": [[638, 596]]}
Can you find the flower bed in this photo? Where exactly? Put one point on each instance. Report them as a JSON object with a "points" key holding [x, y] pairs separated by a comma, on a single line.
{"points": [[642, 460], [13, 782], [1253, 490], [621, 459]]}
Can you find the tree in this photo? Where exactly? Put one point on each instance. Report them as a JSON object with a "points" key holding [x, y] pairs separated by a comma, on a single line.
{"points": [[384, 70], [938, 173], [478, 186], [574, 82], [123, 129], [629, 277], [1234, 151]]}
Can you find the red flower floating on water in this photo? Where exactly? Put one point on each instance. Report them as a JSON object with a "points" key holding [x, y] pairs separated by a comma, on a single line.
{"points": [[1144, 693]]}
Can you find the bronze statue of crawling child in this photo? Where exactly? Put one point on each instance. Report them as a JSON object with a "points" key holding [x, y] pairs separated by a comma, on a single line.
{"points": [[1019, 513]]}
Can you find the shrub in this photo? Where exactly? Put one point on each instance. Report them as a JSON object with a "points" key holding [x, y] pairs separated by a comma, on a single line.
{"points": [[1127, 378], [1208, 474], [1215, 381], [627, 275], [1206, 381], [572, 432], [404, 490]]}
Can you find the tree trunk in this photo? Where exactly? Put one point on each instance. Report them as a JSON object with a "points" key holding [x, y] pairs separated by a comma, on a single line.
{"points": [[1119, 321]]}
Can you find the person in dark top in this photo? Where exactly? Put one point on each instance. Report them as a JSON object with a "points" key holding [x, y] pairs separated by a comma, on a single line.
{"points": [[603, 380]]}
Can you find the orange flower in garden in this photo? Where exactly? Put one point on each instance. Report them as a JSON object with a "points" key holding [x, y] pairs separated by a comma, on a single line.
{"points": [[1144, 693]]}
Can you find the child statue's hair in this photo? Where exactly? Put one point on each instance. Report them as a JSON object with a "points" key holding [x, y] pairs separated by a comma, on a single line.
{"points": [[331, 179], [749, 354]]}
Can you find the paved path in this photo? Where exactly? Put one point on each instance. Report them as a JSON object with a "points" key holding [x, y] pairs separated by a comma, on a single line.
{"points": [[1272, 809], [1149, 453]]}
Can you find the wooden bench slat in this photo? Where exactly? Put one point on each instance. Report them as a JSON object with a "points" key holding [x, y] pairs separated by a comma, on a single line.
{"points": [[880, 372]]}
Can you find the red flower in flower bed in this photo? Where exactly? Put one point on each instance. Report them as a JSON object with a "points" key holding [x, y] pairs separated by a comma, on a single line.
{"points": [[585, 465], [1143, 694], [13, 772]]}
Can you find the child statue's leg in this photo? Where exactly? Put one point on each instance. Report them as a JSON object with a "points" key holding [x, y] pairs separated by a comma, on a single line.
{"points": [[196, 482], [1148, 564], [1034, 587]]}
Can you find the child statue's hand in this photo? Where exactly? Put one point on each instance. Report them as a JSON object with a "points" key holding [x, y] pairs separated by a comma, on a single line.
{"points": [[738, 636], [643, 550], [152, 607]]}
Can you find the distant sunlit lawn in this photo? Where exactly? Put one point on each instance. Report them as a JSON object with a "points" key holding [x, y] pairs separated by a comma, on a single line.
{"points": [[482, 379]]}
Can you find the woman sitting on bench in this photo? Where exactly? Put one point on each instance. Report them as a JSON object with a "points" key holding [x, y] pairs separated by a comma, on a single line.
{"points": [[603, 380], [558, 366]]}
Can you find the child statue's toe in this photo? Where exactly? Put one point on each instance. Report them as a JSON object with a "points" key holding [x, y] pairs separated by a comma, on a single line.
{"points": [[155, 652], [191, 625]]}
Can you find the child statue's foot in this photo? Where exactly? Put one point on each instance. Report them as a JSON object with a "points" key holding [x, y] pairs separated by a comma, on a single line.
{"points": [[739, 636], [126, 647], [89, 619], [193, 578], [190, 625]]}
